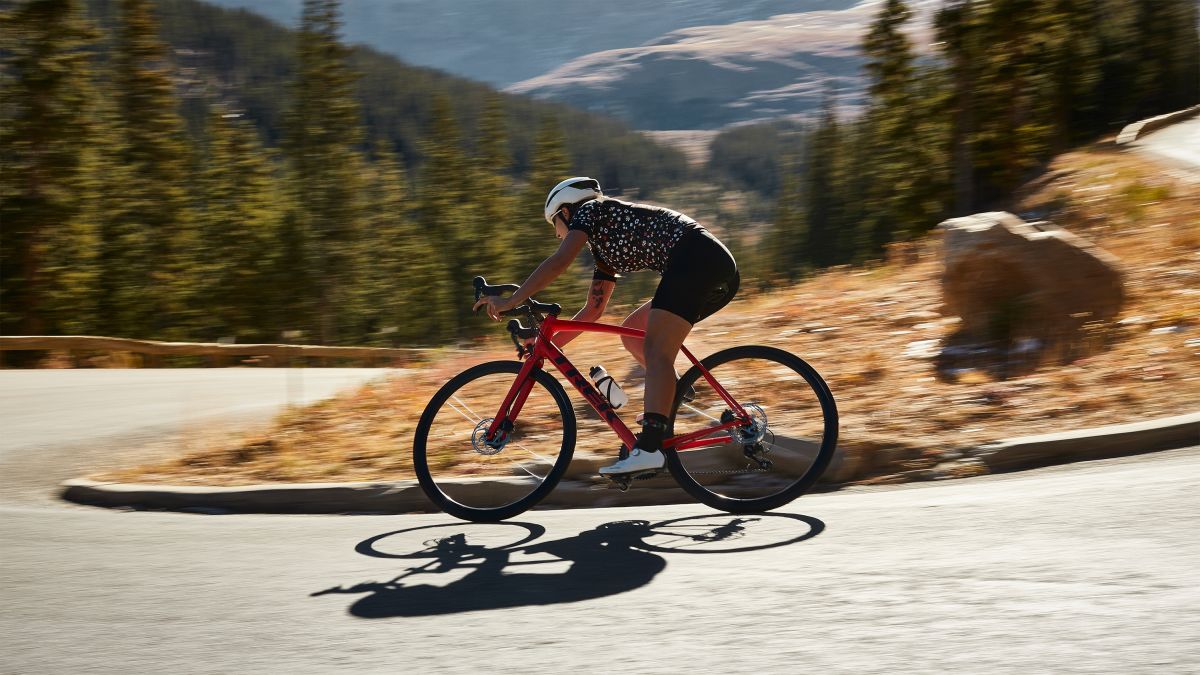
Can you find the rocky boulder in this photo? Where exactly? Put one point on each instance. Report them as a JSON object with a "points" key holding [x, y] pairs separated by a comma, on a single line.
{"points": [[1010, 280]]}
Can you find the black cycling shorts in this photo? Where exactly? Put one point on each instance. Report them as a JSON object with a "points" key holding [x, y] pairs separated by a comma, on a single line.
{"points": [[701, 278]]}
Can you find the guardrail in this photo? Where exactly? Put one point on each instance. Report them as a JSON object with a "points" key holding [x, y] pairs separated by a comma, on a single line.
{"points": [[1132, 132], [218, 354]]}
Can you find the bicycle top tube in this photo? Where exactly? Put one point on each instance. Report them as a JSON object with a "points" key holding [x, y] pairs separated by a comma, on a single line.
{"points": [[553, 326]]}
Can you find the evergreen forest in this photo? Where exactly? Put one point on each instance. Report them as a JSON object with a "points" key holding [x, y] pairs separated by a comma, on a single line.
{"points": [[173, 170]]}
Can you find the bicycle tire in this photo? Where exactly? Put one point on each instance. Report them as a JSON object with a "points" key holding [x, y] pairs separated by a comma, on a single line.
{"points": [[678, 462], [436, 489]]}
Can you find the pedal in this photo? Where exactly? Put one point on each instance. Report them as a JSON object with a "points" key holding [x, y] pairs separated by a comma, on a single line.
{"points": [[621, 482]]}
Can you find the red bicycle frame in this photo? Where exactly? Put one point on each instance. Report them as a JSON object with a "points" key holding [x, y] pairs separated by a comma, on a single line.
{"points": [[544, 350]]}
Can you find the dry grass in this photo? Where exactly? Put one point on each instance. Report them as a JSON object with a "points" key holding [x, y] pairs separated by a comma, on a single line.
{"points": [[867, 330]]}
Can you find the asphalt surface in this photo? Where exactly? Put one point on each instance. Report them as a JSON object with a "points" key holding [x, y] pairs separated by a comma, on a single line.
{"points": [[57, 424], [51, 407], [1085, 568], [1177, 146]]}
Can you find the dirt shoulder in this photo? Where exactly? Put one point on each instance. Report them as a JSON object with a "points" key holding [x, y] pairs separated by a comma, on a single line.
{"points": [[870, 331]]}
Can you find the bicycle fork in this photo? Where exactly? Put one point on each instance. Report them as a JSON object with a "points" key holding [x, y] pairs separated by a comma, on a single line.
{"points": [[500, 428]]}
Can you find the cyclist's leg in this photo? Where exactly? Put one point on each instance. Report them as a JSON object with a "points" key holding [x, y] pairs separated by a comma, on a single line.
{"points": [[637, 319], [665, 333]]}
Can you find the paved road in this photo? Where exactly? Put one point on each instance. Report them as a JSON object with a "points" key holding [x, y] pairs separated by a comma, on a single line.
{"points": [[1177, 146], [1085, 568], [50, 407], [57, 423]]}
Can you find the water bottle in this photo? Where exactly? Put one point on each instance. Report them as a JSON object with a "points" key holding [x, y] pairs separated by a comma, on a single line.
{"points": [[608, 386]]}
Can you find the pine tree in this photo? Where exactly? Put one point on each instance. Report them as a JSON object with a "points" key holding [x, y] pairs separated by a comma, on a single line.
{"points": [[403, 289], [957, 34], [893, 205], [790, 235], [534, 240], [447, 218], [44, 133], [1015, 133], [1167, 49], [1072, 60], [821, 192], [147, 272], [856, 154], [323, 136], [492, 195], [238, 218]]}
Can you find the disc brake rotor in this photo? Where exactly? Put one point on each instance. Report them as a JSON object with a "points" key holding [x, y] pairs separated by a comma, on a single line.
{"points": [[756, 430], [480, 442]]}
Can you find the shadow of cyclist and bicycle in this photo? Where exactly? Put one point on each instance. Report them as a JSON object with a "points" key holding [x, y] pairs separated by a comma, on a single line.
{"points": [[487, 572]]}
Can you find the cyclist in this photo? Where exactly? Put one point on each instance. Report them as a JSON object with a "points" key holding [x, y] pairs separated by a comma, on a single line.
{"points": [[699, 277]]}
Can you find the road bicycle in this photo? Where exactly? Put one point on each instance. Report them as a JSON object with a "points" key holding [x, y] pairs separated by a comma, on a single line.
{"points": [[752, 428]]}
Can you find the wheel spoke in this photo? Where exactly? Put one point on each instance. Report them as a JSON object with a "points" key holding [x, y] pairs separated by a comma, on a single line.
{"points": [[698, 411], [477, 419]]}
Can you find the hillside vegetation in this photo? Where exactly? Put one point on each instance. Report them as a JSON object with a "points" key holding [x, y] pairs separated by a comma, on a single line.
{"points": [[871, 331]]}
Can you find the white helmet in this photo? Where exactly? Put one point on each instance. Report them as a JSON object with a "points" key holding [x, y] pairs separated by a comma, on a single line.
{"points": [[571, 191]]}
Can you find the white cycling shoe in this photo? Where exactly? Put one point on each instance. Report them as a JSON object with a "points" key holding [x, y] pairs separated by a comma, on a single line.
{"points": [[638, 461]]}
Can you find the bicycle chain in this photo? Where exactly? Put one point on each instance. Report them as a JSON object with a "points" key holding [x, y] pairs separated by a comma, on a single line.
{"points": [[727, 471]]}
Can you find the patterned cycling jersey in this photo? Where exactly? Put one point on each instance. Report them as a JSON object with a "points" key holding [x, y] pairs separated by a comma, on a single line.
{"points": [[627, 237]]}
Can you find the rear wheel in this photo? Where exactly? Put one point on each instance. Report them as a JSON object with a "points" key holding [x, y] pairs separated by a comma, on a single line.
{"points": [[473, 477], [779, 454]]}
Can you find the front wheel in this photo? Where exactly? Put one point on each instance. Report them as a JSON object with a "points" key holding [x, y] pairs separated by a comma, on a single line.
{"points": [[779, 454], [482, 479]]}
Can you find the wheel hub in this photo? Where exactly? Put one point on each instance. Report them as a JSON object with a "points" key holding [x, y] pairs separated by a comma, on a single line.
{"points": [[482, 444], [756, 430]]}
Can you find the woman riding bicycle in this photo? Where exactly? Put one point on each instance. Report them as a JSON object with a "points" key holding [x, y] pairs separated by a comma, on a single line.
{"points": [[699, 277]]}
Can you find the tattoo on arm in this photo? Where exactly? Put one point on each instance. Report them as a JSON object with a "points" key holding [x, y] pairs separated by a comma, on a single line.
{"points": [[601, 290]]}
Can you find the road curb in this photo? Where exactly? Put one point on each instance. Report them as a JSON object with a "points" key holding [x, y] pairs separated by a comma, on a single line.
{"points": [[407, 497], [1098, 443], [398, 497], [1132, 132], [317, 498]]}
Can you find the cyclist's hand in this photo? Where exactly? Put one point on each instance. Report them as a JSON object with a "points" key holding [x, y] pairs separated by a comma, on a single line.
{"points": [[495, 305]]}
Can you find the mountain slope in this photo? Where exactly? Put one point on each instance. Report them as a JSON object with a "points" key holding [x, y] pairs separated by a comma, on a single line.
{"points": [[239, 56], [700, 64], [710, 76], [507, 41]]}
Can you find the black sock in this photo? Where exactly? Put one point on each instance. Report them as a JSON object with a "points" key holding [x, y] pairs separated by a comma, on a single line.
{"points": [[654, 430]]}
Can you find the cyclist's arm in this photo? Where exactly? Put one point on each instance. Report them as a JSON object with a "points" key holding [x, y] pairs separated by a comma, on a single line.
{"points": [[593, 309], [551, 267]]}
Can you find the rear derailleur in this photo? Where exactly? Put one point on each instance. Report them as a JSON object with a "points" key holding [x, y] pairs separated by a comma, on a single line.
{"points": [[758, 454]]}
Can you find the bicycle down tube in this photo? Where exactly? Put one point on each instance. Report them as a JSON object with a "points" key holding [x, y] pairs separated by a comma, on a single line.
{"points": [[545, 349]]}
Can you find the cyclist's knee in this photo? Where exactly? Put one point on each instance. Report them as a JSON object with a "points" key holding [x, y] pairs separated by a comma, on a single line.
{"points": [[638, 317]]}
